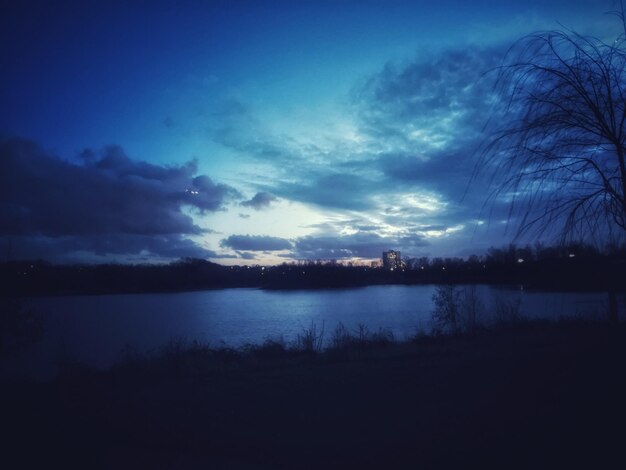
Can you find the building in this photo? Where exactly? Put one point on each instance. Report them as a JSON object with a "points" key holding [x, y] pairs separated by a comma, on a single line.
{"points": [[392, 260]]}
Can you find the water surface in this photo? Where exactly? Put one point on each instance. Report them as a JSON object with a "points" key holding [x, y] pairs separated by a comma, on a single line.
{"points": [[96, 329]]}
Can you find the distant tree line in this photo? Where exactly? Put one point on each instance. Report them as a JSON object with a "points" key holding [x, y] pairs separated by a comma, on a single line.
{"points": [[573, 267]]}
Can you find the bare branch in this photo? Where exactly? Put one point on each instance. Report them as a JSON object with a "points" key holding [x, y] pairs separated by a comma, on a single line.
{"points": [[559, 158]]}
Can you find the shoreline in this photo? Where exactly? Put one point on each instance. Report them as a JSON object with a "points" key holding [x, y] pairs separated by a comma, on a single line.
{"points": [[540, 395]]}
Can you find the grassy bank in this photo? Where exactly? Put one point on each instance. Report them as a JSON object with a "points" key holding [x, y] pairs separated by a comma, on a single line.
{"points": [[522, 395]]}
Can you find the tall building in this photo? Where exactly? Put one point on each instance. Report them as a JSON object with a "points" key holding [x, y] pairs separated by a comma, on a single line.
{"points": [[392, 260]]}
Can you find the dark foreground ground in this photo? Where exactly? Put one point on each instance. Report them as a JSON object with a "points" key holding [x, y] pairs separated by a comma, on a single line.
{"points": [[533, 396]]}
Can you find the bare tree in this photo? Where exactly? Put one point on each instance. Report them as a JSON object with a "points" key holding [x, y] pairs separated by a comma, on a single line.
{"points": [[558, 156]]}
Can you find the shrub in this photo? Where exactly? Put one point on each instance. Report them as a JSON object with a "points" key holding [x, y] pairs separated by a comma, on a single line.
{"points": [[472, 309], [341, 338], [446, 315], [270, 349], [310, 341]]}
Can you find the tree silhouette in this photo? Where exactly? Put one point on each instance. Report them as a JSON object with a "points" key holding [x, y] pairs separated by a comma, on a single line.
{"points": [[558, 155]]}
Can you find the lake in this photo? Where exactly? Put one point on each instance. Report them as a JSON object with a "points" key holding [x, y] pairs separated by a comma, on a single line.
{"points": [[96, 329]]}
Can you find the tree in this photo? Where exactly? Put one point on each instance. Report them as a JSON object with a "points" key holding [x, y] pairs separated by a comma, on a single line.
{"points": [[456, 309], [446, 314], [559, 156]]}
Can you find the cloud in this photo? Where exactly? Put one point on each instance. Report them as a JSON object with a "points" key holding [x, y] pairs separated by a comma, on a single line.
{"points": [[404, 157], [111, 247], [205, 195], [447, 172], [342, 190], [360, 244], [261, 200], [430, 102], [422, 122], [256, 243], [412, 126], [425, 118], [104, 202]]}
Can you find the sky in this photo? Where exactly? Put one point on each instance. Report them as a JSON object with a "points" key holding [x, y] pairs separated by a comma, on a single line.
{"points": [[254, 132]]}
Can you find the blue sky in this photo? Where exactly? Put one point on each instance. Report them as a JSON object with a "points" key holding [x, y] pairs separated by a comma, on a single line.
{"points": [[253, 132]]}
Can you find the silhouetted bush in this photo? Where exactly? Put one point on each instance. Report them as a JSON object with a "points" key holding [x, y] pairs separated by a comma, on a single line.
{"points": [[341, 338], [269, 349], [461, 310], [310, 340], [472, 309], [447, 306]]}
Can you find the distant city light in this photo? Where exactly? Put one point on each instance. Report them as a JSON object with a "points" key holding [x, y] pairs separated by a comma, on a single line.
{"points": [[392, 260]]}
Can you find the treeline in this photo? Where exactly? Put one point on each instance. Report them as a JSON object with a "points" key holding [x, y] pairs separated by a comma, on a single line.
{"points": [[576, 267], [40, 277]]}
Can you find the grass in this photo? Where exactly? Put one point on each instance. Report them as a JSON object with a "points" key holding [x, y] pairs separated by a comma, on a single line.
{"points": [[525, 394], [184, 359], [505, 393]]}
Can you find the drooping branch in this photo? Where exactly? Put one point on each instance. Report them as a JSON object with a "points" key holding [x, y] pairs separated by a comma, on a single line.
{"points": [[558, 159]]}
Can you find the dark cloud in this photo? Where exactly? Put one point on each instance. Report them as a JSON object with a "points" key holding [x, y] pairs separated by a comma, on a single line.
{"points": [[246, 255], [261, 200], [360, 244], [105, 202], [335, 190], [226, 256], [367, 228], [430, 115], [300, 170], [244, 216], [424, 120], [256, 243], [449, 173], [111, 247], [206, 195], [420, 122], [429, 100]]}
